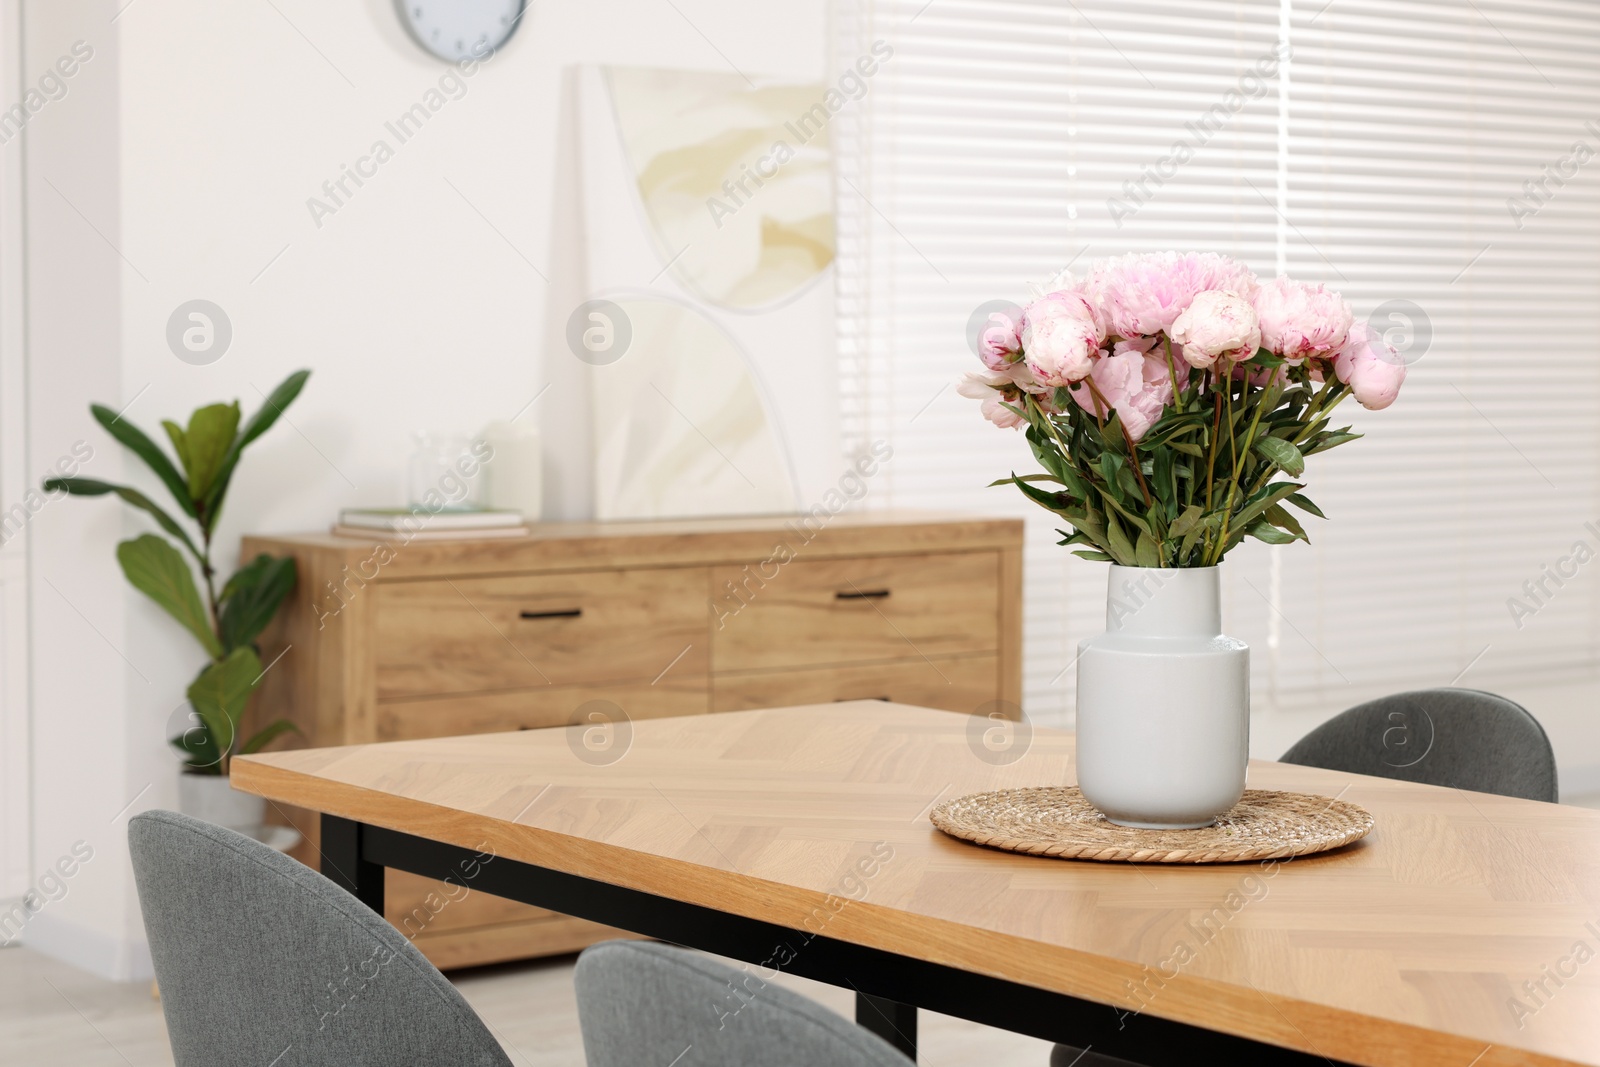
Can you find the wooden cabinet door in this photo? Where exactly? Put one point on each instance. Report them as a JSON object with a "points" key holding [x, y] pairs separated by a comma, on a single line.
{"points": [[826, 612], [467, 635]]}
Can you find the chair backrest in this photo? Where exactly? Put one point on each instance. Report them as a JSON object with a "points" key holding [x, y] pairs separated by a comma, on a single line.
{"points": [[262, 961], [642, 1003], [1452, 737]]}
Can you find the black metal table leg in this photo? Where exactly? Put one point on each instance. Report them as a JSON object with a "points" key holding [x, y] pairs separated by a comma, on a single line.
{"points": [[891, 1020], [343, 864]]}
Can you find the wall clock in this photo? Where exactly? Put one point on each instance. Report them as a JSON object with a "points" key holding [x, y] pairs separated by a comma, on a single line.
{"points": [[461, 29]]}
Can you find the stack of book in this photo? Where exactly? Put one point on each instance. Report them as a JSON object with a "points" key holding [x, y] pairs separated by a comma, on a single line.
{"points": [[420, 524]]}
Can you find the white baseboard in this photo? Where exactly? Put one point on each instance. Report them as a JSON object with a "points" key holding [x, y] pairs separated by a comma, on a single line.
{"points": [[114, 958]]}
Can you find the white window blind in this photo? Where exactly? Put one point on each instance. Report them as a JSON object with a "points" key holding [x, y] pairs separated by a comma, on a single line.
{"points": [[1371, 145]]}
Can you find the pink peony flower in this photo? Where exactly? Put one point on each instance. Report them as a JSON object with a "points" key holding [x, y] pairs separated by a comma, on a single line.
{"points": [[996, 391], [1300, 320], [1060, 337], [1217, 324], [1143, 294], [1000, 343], [1371, 367], [1137, 386]]}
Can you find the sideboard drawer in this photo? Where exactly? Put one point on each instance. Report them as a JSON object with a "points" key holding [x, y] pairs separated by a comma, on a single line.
{"points": [[953, 683], [532, 709], [827, 612], [464, 635]]}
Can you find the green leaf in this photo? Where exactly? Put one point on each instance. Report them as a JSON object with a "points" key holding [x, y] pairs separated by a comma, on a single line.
{"points": [[1305, 504], [1264, 358], [1285, 521], [1287, 457], [210, 434], [93, 487], [1260, 502], [1263, 531], [1055, 502], [1026, 478], [1325, 441], [134, 438], [1211, 522], [251, 598], [1117, 543], [221, 691], [1097, 557], [268, 734], [1189, 449], [1110, 467], [279, 399], [1133, 520], [156, 569], [1147, 552], [1186, 521], [180, 446]]}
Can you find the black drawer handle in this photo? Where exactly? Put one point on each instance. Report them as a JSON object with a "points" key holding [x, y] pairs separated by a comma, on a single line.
{"points": [[566, 613], [858, 594], [846, 700]]}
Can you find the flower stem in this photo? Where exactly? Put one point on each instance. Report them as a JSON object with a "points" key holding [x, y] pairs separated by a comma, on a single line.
{"points": [[1233, 483], [1172, 373], [1133, 451]]}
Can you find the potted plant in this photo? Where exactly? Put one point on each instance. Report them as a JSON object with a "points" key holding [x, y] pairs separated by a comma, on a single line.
{"points": [[1172, 400], [227, 621]]}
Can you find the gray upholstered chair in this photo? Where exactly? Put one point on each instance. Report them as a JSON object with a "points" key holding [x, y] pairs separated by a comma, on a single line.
{"points": [[263, 962], [1461, 738], [643, 1003]]}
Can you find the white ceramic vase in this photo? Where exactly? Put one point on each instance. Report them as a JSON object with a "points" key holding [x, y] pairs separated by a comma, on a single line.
{"points": [[1163, 702], [212, 798]]}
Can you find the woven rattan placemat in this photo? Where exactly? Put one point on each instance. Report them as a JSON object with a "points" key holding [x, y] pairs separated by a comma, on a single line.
{"points": [[1057, 821]]}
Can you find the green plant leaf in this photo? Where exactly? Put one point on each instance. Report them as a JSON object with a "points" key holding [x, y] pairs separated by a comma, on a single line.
{"points": [[266, 735], [1185, 522], [251, 598], [1147, 553], [156, 569], [180, 446], [1285, 521], [133, 438], [1026, 478], [210, 435], [1110, 466], [1304, 504], [1097, 557], [274, 405], [1211, 522], [1264, 358], [1323, 442], [1263, 531], [1283, 454], [1260, 502], [222, 690], [1117, 543], [92, 487]]}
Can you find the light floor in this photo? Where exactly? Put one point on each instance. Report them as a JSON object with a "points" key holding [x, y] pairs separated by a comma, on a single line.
{"points": [[52, 1015]]}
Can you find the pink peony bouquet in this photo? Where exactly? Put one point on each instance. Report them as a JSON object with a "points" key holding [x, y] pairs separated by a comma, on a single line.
{"points": [[1164, 394]]}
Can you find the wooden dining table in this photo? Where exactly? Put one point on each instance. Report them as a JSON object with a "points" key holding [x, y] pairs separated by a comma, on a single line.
{"points": [[1463, 931]]}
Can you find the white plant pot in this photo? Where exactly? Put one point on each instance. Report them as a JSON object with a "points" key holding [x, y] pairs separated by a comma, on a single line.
{"points": [[1163, 702], [212, 798]]}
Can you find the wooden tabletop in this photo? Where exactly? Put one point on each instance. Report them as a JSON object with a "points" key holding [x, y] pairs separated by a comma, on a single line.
{"points": [[1464, 931]]}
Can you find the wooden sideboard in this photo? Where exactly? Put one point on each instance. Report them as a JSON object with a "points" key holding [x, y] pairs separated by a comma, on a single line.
{"points": [[583, 623]]}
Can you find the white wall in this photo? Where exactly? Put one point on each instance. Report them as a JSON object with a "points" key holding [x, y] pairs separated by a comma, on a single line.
{"points": [[192, 141]]}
